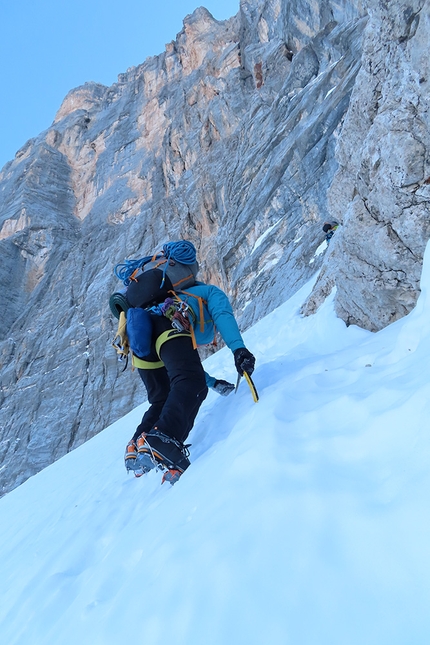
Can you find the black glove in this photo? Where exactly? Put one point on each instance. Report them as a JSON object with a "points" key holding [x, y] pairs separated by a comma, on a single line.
{"points": [[223, 387], [244, 361]]}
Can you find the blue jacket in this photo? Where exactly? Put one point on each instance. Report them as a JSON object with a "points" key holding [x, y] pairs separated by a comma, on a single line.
{"points": [[217, 313]]}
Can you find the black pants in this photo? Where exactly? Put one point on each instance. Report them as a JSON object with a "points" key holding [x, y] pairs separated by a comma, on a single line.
{"points": [[175, 391]]}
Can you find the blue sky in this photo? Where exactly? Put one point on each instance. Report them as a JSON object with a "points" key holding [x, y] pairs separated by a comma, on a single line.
{"points": [[49, 47]]}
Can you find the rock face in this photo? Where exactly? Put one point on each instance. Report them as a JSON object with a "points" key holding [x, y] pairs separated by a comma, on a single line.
{"points": [[381, 190], [228, 139]]}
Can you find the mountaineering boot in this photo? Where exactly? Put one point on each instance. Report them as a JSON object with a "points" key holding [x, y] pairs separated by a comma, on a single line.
{"points": [[157, 450], [130, 459]]}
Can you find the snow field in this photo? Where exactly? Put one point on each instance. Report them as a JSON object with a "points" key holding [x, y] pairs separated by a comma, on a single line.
{"points": [[303, 519]]}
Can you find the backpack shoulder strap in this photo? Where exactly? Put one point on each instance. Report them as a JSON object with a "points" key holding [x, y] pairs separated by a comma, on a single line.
{"points": [[201, 302]]}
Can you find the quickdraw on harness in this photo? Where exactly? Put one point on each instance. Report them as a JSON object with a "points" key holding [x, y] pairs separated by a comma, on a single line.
{"points": [[177, 311], [181, 315]]}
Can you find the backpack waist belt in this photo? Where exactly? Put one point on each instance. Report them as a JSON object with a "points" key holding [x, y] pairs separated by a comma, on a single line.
{"points": [[140, 363]]}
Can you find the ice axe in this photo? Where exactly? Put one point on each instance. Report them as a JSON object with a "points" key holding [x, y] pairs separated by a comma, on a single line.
{"points": [[250, 383]]}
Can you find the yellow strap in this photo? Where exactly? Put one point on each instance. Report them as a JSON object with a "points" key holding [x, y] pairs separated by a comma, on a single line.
{"points": [[146, 365], [168, 335], [120, 342], [140, 363]]}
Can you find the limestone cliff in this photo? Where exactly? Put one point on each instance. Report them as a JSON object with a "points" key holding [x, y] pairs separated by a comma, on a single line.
{"points": [[381, 190], [228, 139]]}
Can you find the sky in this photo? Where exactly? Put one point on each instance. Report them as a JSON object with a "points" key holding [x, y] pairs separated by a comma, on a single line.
{"points": [[302, 520], [48, 48]]}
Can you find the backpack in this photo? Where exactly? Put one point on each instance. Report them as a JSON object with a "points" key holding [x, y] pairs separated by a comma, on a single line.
{"points": [[148, 282]]}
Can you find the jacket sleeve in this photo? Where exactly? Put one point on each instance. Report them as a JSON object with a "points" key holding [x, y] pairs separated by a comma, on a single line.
{"points": [[210, 380], [221, 312]]}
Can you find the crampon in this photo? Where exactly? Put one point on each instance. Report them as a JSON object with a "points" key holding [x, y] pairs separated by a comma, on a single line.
{"points": [[157, 450]]}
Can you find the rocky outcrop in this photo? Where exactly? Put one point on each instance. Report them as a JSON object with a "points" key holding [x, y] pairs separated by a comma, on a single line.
{"points": [[227, 139], [381, 190]]}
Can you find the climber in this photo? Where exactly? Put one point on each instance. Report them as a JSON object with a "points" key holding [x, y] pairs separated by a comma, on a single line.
{"points": [[171, 370], [329, 229]]}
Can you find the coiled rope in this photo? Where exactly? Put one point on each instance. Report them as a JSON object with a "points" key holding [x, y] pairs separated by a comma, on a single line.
{"points": [[182, 251]]}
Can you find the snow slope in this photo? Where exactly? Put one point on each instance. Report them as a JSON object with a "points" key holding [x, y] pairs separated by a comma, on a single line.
{"points": [[303, 519]]}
